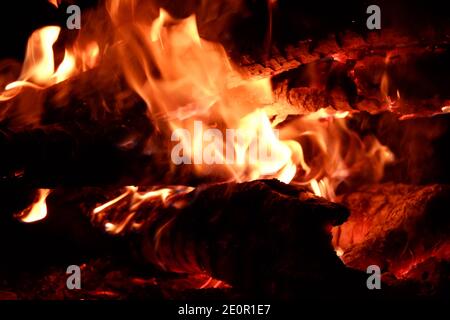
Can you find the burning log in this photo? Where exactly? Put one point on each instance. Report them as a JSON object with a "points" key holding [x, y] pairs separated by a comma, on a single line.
{"points": [[390, 70], [75, 134], [371, 81], [262, 236], [395, 226], [418, 144]]}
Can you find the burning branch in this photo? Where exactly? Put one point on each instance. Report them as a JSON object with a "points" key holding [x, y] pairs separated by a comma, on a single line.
{"points": [[251, 235]]}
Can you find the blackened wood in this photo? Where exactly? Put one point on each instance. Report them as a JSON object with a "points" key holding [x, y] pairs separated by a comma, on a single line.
{"points": [[261, 236], [407, 80]]}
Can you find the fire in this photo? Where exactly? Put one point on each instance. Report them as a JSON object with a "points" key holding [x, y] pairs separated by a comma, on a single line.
{"points": [[186, 80], [339, 252], [336, 154], [122, 213], [65, 69], [38, 70], [38, 66], [38, 210], [54, 2], [189, 80], [222, 123]]}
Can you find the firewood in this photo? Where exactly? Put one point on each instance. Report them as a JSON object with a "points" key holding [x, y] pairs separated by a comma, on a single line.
{"points": [[394, 226], [373, 82], [260, 236], [94, 123]]}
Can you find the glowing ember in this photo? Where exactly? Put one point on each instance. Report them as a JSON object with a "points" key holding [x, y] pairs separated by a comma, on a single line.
{"points": [[38, 210], [186, 80]]}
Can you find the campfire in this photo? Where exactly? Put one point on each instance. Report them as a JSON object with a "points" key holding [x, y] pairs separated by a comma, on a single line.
{"points": [[225, 149]]}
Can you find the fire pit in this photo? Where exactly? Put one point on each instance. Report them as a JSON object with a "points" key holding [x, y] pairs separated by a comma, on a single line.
{"points": [[225, 150]]}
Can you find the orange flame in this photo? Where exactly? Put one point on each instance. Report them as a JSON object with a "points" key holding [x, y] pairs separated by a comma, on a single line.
{"points": [[118, 221], [38, 66], [38, 70], [54, 2], [38, 210], [186, 80]]}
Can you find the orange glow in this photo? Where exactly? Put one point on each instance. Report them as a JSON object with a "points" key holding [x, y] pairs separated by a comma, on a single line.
{"points": [[38, 70], [66, 68], [185, 80], [122, 213], [38, 210], [38, 66], [197, 82], [339, 252], [338, 153], [54, 2]]}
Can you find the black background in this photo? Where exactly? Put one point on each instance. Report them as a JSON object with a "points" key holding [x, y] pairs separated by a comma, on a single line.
{"points": [[293, 19]]}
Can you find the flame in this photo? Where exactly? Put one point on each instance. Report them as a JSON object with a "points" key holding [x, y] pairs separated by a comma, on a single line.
{"points": [[333, 154], [38, 66], [38, 70], [189, 81], [224, 122], [54, 2], [38, 210], [339, 251], [66, 68], [127, 218], [191, 86], [186, 81], [193, 90]]}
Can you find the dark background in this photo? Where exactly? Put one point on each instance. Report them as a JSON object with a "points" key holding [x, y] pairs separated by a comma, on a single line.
{"points": [[293, 19]]}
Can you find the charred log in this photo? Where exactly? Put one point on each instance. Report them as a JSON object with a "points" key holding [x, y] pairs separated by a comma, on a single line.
{"points": [[405, 80], [395, 226], [261, 236]]}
